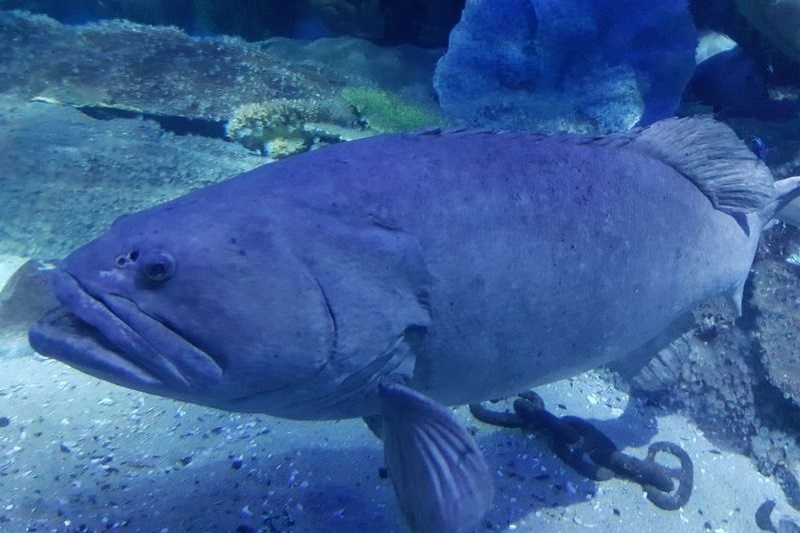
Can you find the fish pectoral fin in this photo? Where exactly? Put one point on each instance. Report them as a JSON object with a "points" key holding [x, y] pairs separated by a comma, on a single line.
{"points": [[440, 477]]}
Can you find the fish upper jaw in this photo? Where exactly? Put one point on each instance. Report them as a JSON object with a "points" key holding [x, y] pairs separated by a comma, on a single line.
{"points": [[109, 336]]}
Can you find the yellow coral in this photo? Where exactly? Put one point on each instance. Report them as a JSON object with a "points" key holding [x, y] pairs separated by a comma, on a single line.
{"points": [[284, 126], [255, 125], [282, 147]]}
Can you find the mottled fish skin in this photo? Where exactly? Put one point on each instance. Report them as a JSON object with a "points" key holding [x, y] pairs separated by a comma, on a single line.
{"points": [[480, 263]]}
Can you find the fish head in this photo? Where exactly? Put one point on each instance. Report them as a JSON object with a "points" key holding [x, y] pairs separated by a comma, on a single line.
{"points": [[205, 305]]}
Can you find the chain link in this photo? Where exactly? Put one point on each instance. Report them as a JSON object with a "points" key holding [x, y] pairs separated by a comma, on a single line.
{"points": [[593, 454]]}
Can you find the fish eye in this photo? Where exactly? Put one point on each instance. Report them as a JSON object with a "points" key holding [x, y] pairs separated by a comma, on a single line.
{"points": [[157, 266]]}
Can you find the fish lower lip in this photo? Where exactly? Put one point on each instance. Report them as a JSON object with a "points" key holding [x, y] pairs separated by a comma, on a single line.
{"points": [[111, 334], [82, 346]]}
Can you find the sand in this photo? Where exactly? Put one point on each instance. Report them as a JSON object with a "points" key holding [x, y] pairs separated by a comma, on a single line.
{"points": [[84, 455]]}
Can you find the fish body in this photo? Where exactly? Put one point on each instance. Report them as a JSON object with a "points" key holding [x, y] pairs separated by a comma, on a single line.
{"points": [[467, 265]]}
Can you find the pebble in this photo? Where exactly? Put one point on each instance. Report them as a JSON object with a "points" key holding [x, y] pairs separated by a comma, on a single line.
{"points": [[4, 421]]}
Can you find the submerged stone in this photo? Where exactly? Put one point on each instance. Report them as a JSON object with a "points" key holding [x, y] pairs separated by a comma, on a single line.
{"points": [[158, 70], [775, 294]]}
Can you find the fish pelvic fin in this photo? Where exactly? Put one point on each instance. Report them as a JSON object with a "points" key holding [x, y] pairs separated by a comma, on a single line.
{"points": [[441, 480]]}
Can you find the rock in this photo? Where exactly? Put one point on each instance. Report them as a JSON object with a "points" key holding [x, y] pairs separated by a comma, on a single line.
{"points": [[67, 176], [705, 372], [25, 295], [769, 31], [128, 95], [729, 79], [777, 20], [711, 44], [528, 64], [9, 265], [158, 70], [404, 70], [424, 23], [776, 294], [260, 95]]}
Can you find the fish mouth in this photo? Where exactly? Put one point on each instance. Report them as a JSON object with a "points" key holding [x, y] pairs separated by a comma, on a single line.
{"points": [[111, 337]]}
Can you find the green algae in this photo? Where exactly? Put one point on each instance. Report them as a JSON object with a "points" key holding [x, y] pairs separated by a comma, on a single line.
{"points": [[385, 112]]}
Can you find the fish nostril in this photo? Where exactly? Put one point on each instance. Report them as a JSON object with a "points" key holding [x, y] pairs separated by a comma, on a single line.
{"points": [[125, 260]]}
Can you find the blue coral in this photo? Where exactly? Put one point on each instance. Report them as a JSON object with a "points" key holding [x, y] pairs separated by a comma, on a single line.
{"points": [[566, 64]]}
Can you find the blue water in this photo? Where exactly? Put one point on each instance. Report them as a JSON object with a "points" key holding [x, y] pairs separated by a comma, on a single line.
{"points": [[109, 107]]}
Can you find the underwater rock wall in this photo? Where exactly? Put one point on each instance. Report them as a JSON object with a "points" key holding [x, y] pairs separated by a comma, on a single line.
{"points": [[160, 70], [777, 20], [66, 182], [139, 114], [578, 65], [776, 297], [738, 378], [388, 22], [769, 32], [210, 86]]}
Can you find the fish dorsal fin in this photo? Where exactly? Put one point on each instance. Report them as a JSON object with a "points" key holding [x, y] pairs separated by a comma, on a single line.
{"points": [[711, 156], [707, 152]]}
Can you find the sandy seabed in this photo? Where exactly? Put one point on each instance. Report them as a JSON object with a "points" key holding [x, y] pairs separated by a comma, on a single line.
{"points": [[79, 454]]}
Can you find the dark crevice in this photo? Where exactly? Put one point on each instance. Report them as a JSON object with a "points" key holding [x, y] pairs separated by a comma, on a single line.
{"points": [[750, 313], [179, 125], [774, 409]]}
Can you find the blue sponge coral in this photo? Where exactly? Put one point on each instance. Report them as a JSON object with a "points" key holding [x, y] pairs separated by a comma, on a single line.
{"points": [[581, 65]]}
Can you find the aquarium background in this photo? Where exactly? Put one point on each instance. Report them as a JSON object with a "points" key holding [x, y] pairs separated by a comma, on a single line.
{"points": [[108, 107]]}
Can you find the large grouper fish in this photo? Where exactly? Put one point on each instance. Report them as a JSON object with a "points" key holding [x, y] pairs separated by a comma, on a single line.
{"points": [[390, 277]]}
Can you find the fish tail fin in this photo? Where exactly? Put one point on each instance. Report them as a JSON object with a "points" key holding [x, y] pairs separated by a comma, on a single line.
{"points": [[441, 480], [786, 190]]}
